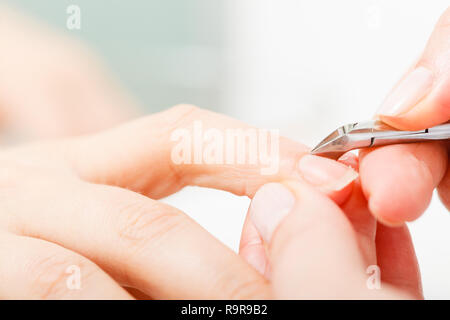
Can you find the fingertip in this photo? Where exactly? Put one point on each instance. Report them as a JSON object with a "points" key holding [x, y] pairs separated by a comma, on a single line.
{"points": [[351, 160], [393, 218], [399, 180], [395, 202], [335, 179], [341, 196]]}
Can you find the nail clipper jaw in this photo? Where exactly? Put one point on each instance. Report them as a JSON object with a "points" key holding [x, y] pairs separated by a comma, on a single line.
{"points": [[346, 138], [333, 146]]}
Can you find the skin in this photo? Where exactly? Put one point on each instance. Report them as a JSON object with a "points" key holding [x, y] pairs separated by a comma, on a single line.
{"points": [[410, 174], [56, 199], [57, 194], [92, 202], [315, 231], [416, 169], [61, 207], [321, 251]]}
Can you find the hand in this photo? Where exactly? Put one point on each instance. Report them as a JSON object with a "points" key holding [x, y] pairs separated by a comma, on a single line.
{"points": [[317, 250], [68, 92], [88, 202], [399, 179]]}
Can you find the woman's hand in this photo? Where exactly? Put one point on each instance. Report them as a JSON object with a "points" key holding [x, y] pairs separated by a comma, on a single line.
{"points": [[399, 180], [88, 202], [315, 249]]}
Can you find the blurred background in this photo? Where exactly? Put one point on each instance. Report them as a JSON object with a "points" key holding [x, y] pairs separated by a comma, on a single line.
{"points": [[304, 67]]}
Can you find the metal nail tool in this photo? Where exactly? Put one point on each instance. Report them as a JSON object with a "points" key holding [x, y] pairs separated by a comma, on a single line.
{"points": [[374, 133]]}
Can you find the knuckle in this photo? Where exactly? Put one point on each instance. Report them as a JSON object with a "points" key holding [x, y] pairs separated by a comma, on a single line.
{"points": [[141, 223], [183, 113], [49, 274]]}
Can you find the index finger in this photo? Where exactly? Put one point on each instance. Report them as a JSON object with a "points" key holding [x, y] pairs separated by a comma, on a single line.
{"points": [[160, 154]]}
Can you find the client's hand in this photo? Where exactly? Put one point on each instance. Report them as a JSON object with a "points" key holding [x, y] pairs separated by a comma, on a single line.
{"points": [[87, 204]]}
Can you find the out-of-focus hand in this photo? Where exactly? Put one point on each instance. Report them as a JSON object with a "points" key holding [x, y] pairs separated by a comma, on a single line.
{"points": [[51, 85], [399, 179], [90, 202], [315, 249]]}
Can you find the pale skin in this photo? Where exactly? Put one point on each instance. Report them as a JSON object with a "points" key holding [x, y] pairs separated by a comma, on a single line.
{"points": [[426, 163], [93, 202], [397, 181]]}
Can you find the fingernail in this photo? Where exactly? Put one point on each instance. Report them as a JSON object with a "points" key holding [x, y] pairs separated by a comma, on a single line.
{"points": [[407, 93], [324, 173], [271, 203]]}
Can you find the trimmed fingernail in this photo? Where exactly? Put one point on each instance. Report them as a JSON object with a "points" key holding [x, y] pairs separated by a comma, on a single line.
{"points": [[407, 93], [324, 173], [271, 203]]}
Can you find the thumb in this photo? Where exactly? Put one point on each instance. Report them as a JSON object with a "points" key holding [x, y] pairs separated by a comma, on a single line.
{"points": [[313, 252], [422, 97]]}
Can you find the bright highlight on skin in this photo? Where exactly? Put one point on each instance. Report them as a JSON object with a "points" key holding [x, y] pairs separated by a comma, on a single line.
{"points": [[416, 85]]}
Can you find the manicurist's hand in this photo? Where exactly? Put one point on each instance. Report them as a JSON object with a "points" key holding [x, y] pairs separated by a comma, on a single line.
{"points": [[399, 179], [87, 206], [315, 249]]}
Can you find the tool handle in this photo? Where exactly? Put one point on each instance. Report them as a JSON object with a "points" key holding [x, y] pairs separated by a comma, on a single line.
{"points": [[439, 132]]}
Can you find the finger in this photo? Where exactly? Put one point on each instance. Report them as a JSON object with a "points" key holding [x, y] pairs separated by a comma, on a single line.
{"points": [[252, 248], [350, 159], [37, 269], [444, 187], [358, 213], [313, 249], [162, 153], [397, 259], [332, 177], [399, 180], [363, 222], [137, 294], [422, 98], [140, 242]]}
